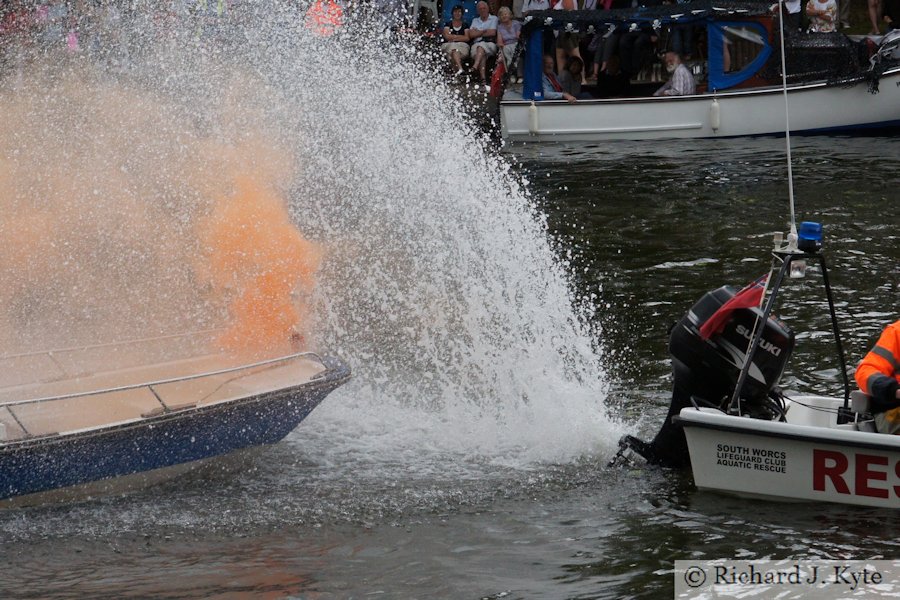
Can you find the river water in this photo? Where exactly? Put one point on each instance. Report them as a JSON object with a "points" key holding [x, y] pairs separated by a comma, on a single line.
{"points": [[506, 316], [648, 230]]}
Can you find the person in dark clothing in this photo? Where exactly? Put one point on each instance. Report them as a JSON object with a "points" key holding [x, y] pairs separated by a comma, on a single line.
{"points": [[634, 46]]}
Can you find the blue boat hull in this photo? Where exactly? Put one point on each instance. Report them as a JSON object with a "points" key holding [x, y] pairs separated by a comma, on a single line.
{"points": [[168, 440]]}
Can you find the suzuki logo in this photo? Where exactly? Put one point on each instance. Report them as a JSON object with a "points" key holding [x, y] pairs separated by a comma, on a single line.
{"points": [[763, 343]]}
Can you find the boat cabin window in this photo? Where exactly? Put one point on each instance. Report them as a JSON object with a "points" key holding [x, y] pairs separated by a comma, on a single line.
{"points": [[741, 46], [737, 51]]}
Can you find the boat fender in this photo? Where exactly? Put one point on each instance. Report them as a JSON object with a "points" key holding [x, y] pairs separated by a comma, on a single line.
{"points": [[533, 124], [715, 115]]}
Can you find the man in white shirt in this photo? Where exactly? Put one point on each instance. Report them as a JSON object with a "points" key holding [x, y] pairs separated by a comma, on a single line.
{"points": [[681, 82], [483, 35]]}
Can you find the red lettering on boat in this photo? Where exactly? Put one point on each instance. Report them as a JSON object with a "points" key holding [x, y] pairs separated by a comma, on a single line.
{"points": [[897, 473], [864, 474], [834, 470]]}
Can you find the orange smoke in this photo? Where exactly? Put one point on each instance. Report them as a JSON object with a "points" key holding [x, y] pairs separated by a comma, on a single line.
{"points": [[122, 217], [256, 258]]}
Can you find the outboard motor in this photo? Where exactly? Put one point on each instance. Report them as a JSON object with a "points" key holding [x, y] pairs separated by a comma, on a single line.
{"points": [[889, 47], [884, 56], [706, 371]]}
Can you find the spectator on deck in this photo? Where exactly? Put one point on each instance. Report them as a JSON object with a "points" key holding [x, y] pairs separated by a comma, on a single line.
{"points": [[634, 47], [567, 42], [681, 82], [605, 46], [612, 82], [822, 15], [508, 32], [570, 78], [552, 89], [456, 40], [483, 35], [792, 18], [844, 13], [874, 16]]}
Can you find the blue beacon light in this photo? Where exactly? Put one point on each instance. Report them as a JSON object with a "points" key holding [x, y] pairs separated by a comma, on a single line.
{"points": [[809, 238]]}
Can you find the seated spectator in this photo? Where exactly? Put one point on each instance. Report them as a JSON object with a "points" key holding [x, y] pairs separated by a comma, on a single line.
{"points": [[456, 40], [508, 32], [552, 89], [570, 78], [612, 83], [821, 15], [681, 82], [483, 35]]}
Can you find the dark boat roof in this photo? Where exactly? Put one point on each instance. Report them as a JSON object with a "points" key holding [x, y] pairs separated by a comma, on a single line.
{"points": [[698, 10]]}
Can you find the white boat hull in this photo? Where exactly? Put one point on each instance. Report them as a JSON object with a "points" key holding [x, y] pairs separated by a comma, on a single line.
{"points": [[814, 108], [809, 458]]}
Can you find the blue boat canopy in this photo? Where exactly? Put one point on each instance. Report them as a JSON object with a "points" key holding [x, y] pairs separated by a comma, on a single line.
{"points": [[728, 23]]}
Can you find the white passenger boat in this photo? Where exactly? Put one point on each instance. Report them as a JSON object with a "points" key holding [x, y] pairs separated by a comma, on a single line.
{"points": [[834, 85], [759, 441], [100, 419]]}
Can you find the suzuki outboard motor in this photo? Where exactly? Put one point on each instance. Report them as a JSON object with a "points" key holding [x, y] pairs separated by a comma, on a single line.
{"points": [[706, 371]]}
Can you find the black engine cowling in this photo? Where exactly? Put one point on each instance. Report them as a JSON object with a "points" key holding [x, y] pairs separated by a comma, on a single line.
{"points": [[708, 370]]}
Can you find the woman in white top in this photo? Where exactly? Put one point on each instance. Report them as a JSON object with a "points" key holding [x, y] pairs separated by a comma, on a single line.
{"points": [[822, 15]]}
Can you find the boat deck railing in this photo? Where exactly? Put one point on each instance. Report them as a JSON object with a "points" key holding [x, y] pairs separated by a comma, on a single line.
{"points": [[68, 403]]}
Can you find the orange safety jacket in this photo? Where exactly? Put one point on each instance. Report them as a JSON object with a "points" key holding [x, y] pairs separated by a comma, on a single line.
{"points": [[878, 375]]}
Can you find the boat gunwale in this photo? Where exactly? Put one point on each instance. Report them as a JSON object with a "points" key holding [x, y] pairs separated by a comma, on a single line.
{"points": [[769, 429], [756, 91], [150, 384], [336, 373]]}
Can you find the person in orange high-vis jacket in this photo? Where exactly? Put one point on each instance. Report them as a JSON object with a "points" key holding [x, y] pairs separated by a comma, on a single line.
{"points": [[878, 375]]}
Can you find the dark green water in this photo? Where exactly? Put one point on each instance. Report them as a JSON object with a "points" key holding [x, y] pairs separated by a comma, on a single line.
{"points": [[648, 229], [654, 228]]}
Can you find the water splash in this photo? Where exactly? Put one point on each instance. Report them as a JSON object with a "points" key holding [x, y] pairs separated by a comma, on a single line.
{"points": [[438, 283]]}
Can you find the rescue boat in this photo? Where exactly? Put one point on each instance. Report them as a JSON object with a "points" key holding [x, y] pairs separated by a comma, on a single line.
{"points": [[92, 420], [738, 432]]}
